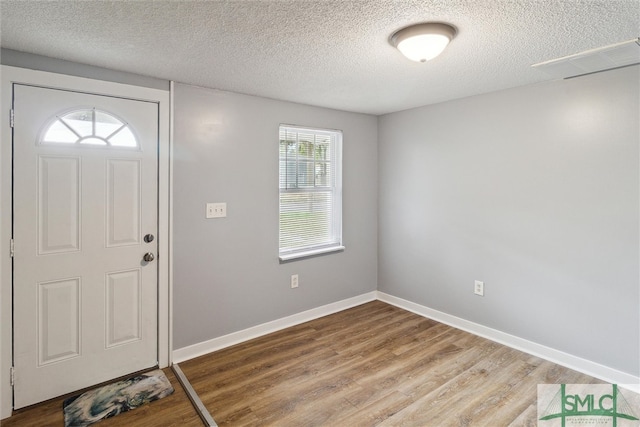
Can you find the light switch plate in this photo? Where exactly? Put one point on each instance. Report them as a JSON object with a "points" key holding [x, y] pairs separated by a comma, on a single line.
{"points": [[216, 210]]}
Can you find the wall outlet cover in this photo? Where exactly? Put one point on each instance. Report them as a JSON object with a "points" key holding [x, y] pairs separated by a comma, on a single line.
{"points": [[478, 288]]}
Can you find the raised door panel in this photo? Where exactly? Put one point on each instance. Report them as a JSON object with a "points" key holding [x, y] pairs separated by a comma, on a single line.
{"points": [[58, 204], [58, 320], [123, 202], [123, 307]]}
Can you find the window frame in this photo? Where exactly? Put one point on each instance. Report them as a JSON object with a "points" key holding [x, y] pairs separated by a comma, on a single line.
{"points": [[334, 243]]}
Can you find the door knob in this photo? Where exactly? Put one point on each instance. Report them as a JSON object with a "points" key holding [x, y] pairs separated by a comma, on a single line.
{"points": [[148, 257]]}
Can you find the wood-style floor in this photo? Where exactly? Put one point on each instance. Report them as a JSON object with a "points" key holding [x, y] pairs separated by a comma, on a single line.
{"points": [[174, 410], [373, 365]]}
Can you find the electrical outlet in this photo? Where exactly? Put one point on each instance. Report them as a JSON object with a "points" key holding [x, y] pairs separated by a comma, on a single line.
{"points": [[294, 281], [216, 210], [478, 288]]}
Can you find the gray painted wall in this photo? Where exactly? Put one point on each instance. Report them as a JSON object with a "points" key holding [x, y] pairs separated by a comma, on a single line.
{"points": [[533, 190], [227, 276]]}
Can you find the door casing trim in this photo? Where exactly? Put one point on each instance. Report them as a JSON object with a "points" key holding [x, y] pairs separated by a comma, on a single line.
{"points": [[9, 76]]}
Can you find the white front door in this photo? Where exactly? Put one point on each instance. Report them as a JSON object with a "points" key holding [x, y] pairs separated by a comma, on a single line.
{"points": [[85, 207]]}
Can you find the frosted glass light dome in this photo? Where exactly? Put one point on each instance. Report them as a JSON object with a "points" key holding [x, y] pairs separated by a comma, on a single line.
{"points": [[423, 42]]}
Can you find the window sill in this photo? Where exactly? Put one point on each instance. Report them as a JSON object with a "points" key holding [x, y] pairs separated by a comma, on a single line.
{"points": [[310, 253]]}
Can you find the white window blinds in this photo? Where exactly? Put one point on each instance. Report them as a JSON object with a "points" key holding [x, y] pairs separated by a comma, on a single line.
{"points": [[310, 191]]}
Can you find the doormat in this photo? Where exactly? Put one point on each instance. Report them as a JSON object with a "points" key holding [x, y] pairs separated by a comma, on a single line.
{"points": [[110, 400]]}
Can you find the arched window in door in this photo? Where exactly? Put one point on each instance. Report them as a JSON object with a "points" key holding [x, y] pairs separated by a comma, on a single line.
{"points": [[90, 127]]}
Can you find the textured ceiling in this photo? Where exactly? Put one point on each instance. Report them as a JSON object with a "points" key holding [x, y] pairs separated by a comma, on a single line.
{"points": [[329, 53]]}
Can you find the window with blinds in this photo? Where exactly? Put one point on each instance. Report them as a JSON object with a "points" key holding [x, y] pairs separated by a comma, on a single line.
{"points": [[310, 192]]}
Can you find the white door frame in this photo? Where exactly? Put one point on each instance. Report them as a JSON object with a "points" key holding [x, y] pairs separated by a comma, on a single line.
{"points": [[10, 75]]}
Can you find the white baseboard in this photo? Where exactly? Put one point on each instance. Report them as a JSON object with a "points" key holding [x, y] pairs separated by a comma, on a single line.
{"points": [[189, 352], [570, 361], [561, 358]]}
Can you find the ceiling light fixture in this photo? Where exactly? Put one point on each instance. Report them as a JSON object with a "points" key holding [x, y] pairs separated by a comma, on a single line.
{"points": [[422, 42]]}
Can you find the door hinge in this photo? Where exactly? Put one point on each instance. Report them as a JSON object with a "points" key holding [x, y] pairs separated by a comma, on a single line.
{"points": [[12, 374], [12, 116], [12, 248]]}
